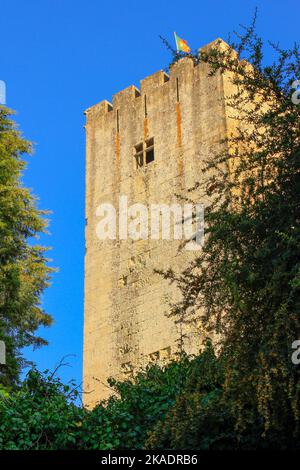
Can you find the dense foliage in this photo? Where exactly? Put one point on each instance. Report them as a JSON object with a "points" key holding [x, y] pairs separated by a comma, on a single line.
{"points": [[245, 285], [23, 270], [43, 413], [180, 406]]}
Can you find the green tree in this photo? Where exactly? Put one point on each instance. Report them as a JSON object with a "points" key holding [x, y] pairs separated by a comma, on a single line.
{"points": [[245, 284], [41, 414], [24, 273]]}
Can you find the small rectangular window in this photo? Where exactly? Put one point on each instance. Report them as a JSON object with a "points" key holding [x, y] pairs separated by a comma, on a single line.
{"points": [[139, 148], [149, 151], [139, 155], [150, 155], [144, 153]]}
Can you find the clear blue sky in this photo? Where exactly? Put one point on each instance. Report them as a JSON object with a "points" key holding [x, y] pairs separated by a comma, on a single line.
{"points": [[59, 57]]}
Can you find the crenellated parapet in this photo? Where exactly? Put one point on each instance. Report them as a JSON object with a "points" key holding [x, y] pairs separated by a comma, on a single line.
{"points": [[181, 69]]}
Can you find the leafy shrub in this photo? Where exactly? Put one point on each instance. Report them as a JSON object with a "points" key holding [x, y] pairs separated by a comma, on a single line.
{"points": [[43, 414], [125, 420], [40, 415]]}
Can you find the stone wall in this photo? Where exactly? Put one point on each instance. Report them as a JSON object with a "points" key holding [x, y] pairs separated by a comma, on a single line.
{"points": [[126, 302]]}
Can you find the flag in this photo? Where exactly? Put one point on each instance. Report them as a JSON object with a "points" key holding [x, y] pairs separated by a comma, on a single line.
{"points": [[181, 44]]}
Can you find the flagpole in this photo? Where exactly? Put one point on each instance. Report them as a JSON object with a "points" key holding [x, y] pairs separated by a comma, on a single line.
{"points": [[176, 41]]}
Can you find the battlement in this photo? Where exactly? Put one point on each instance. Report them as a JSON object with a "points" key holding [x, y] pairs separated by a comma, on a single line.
{"points": [[216, 44], [152, 82], [100, 108]]}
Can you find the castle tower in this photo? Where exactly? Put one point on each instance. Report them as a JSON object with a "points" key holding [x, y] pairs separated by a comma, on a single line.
{"points": [[149, 145]]}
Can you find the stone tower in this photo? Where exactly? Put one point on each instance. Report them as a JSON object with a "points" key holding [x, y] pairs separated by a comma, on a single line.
{"points": [[148, 145]]}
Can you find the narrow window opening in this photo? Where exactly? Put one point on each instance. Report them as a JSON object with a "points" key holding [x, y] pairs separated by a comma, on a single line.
{"points": [[145, 102], [177, 90], [118, 126]]}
